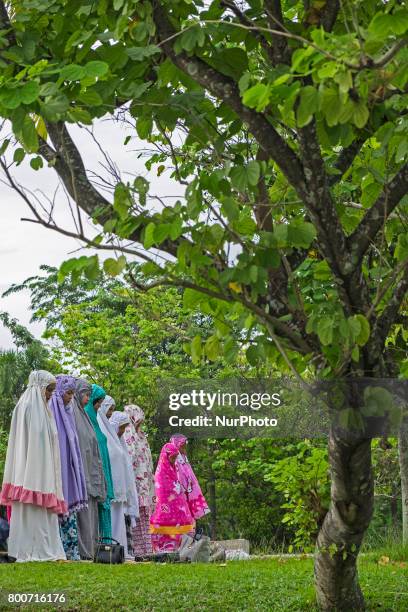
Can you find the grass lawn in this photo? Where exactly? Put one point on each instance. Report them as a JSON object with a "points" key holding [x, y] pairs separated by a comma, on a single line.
{"points": [[267, 585]]}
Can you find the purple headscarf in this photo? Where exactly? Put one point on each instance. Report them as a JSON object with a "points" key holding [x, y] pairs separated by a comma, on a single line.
{"points": [[73, 477]]}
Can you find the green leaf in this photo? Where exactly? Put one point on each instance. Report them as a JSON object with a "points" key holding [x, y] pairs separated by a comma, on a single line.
{"points": [[148, 241], [384, 24], [360, 114], [355, 354], [192, 38], [212, 348], [196, 349], [140, 53], [144, 127], [324, 329], [354, 328], [254, 354], [301, 234], [90, 97], [280, 234], [92, 268], [244, 176], [230, 208], [122, 200], [113, 267], [72, 72], [29, 135], [330, 105], [30, 92], [18, 156], [96, 69], [257, 97], [192, 298], [401, 250], [4, 145], [11, 97], [307, 105], [364, 333], [161, 232], [53, 107]]}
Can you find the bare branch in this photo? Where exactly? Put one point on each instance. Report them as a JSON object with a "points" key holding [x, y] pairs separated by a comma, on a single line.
{"points": [[390, 54], [68, 163]]}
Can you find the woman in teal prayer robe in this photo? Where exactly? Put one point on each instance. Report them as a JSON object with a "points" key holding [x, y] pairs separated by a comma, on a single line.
{"points": [[104, 508]]}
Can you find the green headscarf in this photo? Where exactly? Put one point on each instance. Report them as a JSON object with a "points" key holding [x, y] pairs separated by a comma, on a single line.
{"points": [[97, 394]]}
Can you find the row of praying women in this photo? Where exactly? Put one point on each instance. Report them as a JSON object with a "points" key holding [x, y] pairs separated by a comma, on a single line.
{"points": [[77, 470]]}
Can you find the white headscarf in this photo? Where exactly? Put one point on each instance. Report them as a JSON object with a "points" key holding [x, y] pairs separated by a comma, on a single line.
{"points": [[132, 507], [117, 459], [32, 473]]}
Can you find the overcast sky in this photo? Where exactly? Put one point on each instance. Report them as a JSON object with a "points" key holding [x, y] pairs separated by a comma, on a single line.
{"points": [[25, 246]]}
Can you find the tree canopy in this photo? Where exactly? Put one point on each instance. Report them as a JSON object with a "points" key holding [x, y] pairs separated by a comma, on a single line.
{"points": [[286, 123]]}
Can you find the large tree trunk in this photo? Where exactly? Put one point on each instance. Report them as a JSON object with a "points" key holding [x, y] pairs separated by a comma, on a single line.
{"points": [[403, 462], [342, 532]]}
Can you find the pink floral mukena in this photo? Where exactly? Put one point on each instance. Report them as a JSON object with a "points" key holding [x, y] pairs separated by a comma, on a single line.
{"points": [[139, 451], [188, 480], [172, 515]]}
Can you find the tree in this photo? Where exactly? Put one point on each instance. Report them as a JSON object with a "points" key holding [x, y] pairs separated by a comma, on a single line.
{"points": [[291, 117], [15, 367]]}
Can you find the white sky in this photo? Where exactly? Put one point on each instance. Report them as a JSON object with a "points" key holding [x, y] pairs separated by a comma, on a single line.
{"points": [[25, 246]]}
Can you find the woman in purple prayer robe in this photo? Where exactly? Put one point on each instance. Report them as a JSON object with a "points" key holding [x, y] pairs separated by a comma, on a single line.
{"points": [[72, 469]]}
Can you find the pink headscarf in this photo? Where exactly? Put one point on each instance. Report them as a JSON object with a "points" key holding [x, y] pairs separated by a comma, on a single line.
{"points": [[188, 480], [172, 515]]}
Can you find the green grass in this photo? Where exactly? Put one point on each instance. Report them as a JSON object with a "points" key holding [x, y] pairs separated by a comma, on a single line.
{"points": [[240, 585]]}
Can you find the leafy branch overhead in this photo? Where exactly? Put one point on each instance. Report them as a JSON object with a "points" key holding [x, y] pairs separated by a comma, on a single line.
{"points": [[284, 122], [288, 114]]}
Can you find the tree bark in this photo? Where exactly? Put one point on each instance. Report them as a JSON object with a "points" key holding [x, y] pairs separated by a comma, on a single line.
{"points": [[403, 462], [342, 532]]}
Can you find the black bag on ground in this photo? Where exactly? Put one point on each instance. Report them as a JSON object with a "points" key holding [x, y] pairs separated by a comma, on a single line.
{"points": [[109, 553]]}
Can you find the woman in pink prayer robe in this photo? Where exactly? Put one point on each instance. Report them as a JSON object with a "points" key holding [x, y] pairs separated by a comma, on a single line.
{"points": [[172, 517], [188, 480]]}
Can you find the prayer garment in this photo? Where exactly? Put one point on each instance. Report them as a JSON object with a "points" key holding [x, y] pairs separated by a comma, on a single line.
{"points": [[130, 505], [73, 477], [32, 482], [195, 499], [69, 536], [172, 516], [142, 464], [88, 518], [104, 508]]}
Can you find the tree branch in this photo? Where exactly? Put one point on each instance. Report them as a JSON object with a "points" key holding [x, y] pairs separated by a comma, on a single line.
{"points": [[390, 54], [385, 321], [68, 163], [377, 215], [5, 24], [329, 15], [224, 88], [281, 52], [229, 4], [345, 159]]}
